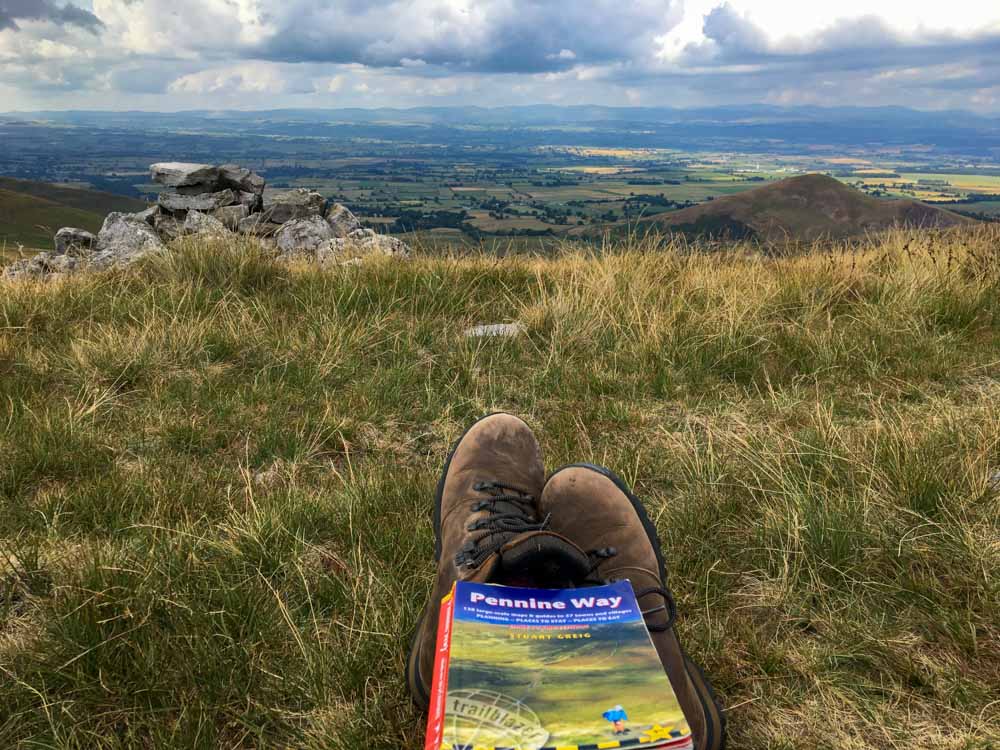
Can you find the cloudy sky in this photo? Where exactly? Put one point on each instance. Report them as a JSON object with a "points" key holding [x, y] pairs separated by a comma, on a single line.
{"points": [[254, 54]]}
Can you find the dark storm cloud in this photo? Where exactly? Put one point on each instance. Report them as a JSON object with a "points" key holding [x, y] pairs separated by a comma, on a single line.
{"points": [[12, 11], [526, 36]]}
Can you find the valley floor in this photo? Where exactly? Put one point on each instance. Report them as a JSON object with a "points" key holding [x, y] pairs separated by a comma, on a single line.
{"points": [[217, 475]]}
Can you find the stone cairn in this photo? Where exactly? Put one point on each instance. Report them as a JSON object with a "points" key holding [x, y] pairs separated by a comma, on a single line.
{"points": [[215, 201]]}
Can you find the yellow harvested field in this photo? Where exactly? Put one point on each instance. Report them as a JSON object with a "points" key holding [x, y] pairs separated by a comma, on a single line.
{"points": [[617, 153], [599, 170], [613, 153], [939, 186]]}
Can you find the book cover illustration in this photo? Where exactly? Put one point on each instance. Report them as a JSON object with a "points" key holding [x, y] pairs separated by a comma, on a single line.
{"points": [[537, 669]]}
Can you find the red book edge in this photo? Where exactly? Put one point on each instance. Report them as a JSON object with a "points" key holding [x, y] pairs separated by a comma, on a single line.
{"points": [[439, 685]]}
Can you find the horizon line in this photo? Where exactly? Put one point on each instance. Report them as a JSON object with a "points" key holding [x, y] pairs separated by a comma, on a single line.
{"points": [[496, 108]]}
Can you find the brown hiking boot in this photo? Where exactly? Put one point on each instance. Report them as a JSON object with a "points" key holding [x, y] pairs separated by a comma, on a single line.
{"points": [[488, 530], [595, 509]]}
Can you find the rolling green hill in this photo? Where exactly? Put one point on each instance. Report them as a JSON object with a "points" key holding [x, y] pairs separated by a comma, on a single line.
{"points": [[802, 209], [31, 212]]}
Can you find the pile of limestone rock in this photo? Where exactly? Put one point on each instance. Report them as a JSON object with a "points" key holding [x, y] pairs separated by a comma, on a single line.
{"points": [[215, 201]]}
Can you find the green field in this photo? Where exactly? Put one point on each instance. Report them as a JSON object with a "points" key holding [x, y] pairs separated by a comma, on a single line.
{"points": [[933, 187], [493, 191], [218, 473], [987, 208]]}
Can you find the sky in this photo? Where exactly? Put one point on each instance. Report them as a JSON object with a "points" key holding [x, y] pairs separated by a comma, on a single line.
{"points": [[170, 55]]}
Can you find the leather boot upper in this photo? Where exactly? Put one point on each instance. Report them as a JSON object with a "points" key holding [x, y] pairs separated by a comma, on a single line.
{"points": [[588, 507], [488, 529]]}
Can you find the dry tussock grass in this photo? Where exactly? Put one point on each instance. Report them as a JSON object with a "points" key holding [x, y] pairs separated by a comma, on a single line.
{"points": [[217, 475]]}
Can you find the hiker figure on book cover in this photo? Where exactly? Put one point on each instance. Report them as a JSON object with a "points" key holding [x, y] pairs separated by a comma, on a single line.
{"points": [[617, 716], [535, 669]]}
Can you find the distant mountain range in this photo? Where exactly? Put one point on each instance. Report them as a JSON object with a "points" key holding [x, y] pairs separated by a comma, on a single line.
{"points": [[768, 128], [541, 114], [801, 209]]}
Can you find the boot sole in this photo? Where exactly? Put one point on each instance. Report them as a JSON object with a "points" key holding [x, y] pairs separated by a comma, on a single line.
{"points": [[413, 677], [714, 717], [706, 693]]}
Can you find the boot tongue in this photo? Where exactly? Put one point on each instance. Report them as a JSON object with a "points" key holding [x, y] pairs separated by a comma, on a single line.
{"points": [[537, 559]]}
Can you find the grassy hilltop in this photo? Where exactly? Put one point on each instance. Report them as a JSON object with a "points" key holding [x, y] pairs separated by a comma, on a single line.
{"points": [[806, 208], [217, 478], [32, 212]]}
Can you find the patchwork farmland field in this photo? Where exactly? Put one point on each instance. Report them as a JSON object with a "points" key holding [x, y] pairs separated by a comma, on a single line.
{"points": [[484, 184]]}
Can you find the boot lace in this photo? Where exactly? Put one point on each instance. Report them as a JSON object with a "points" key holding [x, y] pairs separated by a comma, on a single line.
{"points": [[599, 556], [509, 511]]}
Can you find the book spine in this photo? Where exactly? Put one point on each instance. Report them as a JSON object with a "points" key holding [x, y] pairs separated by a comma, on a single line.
{"points": [[439, 686]]}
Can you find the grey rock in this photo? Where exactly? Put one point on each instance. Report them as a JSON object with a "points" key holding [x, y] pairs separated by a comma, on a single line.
{"points": [[386, 245], [239, 178], [63, 264], [495, 330], [994, 482], [199, 188], [303, 235], [294, 204], [21, 269], [168, 227], [205, 225], [68, 238], [231, 216], [123, 239], [149, 215], [252, 201], [181, 174], [41, 265], [256, 225], [204, 202], [341, 220], [362, 246]]}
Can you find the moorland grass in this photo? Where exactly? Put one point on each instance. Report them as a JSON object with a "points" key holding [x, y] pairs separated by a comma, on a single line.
{"points": [[216, 476]]}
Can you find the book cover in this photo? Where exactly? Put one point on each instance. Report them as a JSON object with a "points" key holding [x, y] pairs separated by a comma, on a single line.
{"points": [[539, 669]]}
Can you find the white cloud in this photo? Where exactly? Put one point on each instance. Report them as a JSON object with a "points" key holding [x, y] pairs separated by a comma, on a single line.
{"points": [[563, 54], [179, 53], [243, 79], [332, 85]]}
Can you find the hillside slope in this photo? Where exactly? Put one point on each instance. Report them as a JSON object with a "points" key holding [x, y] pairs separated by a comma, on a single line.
{"points": [[803, 209], [31, 212], [218, 474]]}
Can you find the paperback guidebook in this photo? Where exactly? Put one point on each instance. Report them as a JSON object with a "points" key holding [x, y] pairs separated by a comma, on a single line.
{"points": [[539, 669]]}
